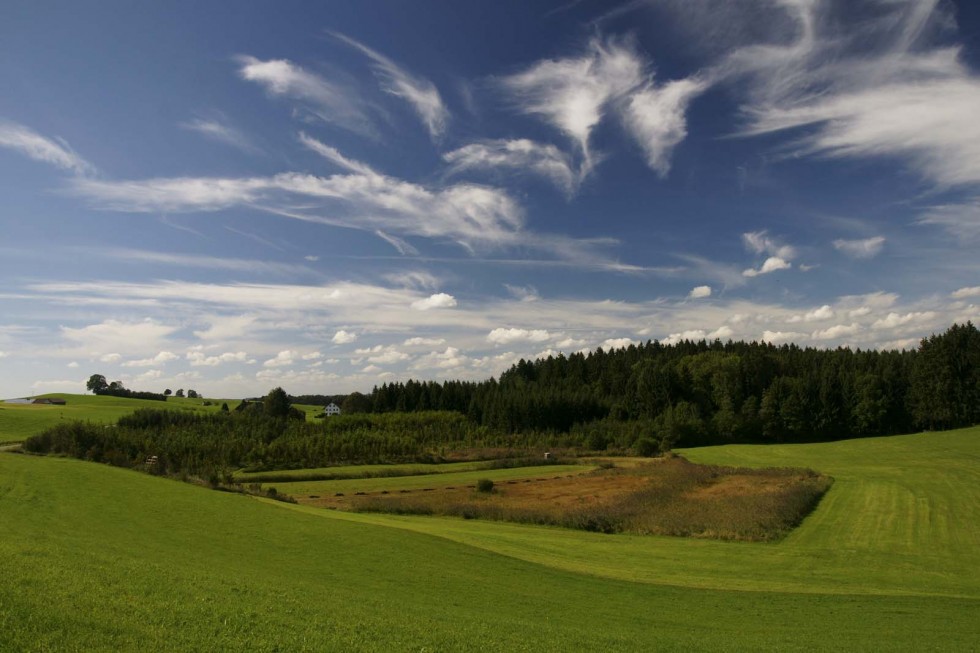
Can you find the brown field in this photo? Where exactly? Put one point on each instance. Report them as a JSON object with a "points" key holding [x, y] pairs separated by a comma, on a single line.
{"points": [[664, 497]]}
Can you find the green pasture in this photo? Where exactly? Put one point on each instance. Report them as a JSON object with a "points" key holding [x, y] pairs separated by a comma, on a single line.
{"points": [[434, 481], [98, 558], [20, 421], [363, 471]]}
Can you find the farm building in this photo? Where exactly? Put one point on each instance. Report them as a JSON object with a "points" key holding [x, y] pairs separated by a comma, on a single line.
{"points": [[57, 401], [331, 410]]}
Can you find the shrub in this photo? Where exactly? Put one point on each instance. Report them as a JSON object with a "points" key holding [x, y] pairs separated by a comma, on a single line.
{"points": [[484, 485], [646, 446]]}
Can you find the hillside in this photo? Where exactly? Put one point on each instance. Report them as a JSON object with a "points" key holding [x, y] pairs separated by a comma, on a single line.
{"points": [[99, 558]]}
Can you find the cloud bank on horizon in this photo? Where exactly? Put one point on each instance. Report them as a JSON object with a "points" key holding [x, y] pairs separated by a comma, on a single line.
{"points": [[356, 199]]}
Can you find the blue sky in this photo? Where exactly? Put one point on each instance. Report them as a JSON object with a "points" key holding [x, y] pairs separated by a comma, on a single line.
{"points": [[327, 196]]}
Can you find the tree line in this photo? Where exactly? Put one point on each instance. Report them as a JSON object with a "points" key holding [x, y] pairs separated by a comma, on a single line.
{"points": [[694, 393]]}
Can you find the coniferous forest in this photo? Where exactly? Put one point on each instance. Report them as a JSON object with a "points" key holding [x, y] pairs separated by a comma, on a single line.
{"points": [[643, 399], [695, 393]]}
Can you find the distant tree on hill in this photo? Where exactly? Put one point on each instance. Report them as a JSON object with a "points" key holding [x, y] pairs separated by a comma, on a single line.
{"points": [[168, 392], [179, 393], [277, 403], [224, 407], [96, 384], [192, 394]]}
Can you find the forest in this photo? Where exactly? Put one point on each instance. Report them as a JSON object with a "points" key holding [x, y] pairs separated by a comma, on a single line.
{"points": [[643, 399], [697, 393]]}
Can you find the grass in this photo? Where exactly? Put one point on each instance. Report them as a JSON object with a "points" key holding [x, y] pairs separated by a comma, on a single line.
{"points": [[338, 472], [20, 421], [420, 482], [95, 558]]}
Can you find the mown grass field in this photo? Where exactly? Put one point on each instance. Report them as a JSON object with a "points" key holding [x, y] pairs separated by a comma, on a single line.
{"points": [[20, 421], [99, 558], [433, 480]]}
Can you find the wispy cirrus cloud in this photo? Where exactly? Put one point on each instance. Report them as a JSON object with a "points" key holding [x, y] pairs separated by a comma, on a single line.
{"points": [[861, 248], [333, 102], [33, 145], [543, 160], [576, 93], [220, 130], [420, 93]]}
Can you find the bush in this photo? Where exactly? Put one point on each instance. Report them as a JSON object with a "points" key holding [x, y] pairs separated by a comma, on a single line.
{"points": [[484, 485], [646, 447]]}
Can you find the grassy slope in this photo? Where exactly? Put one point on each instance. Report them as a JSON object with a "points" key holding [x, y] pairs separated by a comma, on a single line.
{"points": [[903, 517], [20, 421], [97, 558], [435, 480]]}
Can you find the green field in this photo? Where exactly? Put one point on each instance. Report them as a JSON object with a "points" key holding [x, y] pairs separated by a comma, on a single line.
{"points": [[20, 421], [433, 480], [99, 558]]}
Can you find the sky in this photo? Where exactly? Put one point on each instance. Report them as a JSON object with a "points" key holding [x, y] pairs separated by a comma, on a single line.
{"points": [[326, 196]]}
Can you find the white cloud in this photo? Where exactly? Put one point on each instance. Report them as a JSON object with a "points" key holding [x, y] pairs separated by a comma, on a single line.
{"points": [[574, 94], [961, 220], [117, 336], [424, 342], [334, 156], [438, 300], [110, 358], [419, 92], [759, 242], [73, 364], [343, 337], [449, 359], [31, 144], [570, 343], [227, 327], [615, 343], [782, 336], [501, 336], [160, 359], [772, 264], [282, 359], [523, 293], [655, 117], [312, 356], [198, 358], [331, 101], [311, 258], [544, 160], [862, 248], [893, 320], [837, 331], [825, 312], [220, 131], [389, 356], [963, 293], [699, 292]]}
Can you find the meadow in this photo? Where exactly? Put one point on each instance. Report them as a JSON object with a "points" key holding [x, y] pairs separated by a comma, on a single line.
{"points": [[20, 421], [101, 558]]}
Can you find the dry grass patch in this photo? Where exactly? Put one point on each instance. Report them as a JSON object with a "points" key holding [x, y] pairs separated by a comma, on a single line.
{"points": [[664, 497]]}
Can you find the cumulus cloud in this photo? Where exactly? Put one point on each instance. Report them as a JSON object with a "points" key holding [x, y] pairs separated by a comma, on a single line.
{"points": [[343, 337], [615, 343], [424, 342], [282, 359], [420, 93], [862, 248], [438, 300], [160, 359], [893, 319], [40, 148], [782, 336], [771, 264], [502, 336], [963, 293], [825, 312], [119, 336], [720, 333], [110, 358], [448, 359], [837, 331], [699, 292], [198, 358]]}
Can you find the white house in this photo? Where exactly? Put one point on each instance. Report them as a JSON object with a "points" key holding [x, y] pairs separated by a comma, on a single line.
{"points": [[332, 409]]}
